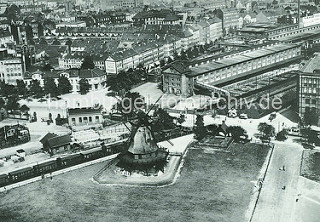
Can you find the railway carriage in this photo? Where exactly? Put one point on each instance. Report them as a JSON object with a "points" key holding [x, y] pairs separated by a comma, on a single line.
{"points": [[22, 174], [70, 160], [46, 167], [4, 180], [92, 154]]}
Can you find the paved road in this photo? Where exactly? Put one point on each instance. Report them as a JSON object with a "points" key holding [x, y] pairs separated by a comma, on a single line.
{"points": [[276, 204]]}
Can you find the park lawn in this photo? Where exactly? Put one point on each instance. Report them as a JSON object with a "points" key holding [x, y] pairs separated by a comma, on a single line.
{"points": [[311, 165], [212, 187]]}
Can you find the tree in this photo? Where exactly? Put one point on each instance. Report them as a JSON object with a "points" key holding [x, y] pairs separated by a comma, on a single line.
{"points": [[12, 103], [29, 32], [56, 42], [47, 67], [40, 30], [181, 119], [163, 120], [199, 129], [310, 135], [50, 87], [84, 86], [87, 63], [176, 56], [11, 12], [35, 89], [64, 85], [7, 90], [21, 88], [183, 55], [120, 83], [2, 103], [130, 104], [266, 130], [237, 132], [310, 117], [69, 43], [162, 63], [282, 135]]}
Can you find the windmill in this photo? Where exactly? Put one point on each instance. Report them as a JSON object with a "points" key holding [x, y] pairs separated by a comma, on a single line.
{"points": [[142, 151]]}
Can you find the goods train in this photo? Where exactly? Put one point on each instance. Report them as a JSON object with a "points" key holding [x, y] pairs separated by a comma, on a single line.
{"points": [[58, 163]]}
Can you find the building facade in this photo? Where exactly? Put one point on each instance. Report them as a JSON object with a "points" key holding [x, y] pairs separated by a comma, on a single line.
{"points": [[85, 116], [309, 93], [11, 70], [177, 80]]}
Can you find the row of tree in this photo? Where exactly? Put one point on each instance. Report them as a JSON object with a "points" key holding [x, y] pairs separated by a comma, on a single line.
{"points": [[125, 80], [36, 90]]}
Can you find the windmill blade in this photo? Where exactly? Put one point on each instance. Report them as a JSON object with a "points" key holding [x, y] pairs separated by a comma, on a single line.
{"points": [[126, 126], [154, 105]]}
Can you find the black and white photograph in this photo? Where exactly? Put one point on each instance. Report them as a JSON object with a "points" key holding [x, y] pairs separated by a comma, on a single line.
{"points": [[160, 110]]}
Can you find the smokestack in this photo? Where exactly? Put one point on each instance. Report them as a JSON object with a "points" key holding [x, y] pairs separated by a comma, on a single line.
{"points": [[299, 14]]}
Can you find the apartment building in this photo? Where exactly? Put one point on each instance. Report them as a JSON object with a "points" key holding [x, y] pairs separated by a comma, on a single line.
{"points": [[309, 93], [11, 70]]}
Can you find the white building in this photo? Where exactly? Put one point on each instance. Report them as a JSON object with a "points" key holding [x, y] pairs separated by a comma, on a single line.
{"points": [[11, 70], [77, 24], [310, 20]]}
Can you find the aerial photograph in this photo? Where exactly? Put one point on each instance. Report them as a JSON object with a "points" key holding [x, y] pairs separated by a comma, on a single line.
{"points": [[159, 111]]}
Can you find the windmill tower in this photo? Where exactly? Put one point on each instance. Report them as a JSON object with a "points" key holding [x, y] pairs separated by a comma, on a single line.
{"points": [[143, 152]]}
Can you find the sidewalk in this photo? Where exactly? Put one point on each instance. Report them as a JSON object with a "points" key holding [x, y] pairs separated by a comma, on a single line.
{"points": [[256, 191]]}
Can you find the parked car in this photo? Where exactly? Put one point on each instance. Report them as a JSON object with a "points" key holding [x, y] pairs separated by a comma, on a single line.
{"points": [[243, 116], [294, 131], [232, 113]]}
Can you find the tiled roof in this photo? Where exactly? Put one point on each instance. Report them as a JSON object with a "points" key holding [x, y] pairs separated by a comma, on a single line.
{"points": [[46, 137], [59, 141]]}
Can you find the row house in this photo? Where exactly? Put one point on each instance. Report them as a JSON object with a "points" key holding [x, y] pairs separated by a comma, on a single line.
{"points": [[31, 8], [146, 54], [161, 17], [77, 24], [70, 61], [74, 61], [206, 31]]}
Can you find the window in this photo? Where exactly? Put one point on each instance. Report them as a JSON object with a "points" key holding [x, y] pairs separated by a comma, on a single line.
{"points": [[90, 119], [307, 101], [80, 119]]}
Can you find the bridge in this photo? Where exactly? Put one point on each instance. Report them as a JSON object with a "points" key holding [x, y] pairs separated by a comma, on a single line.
{"points": [[215, 91]]}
